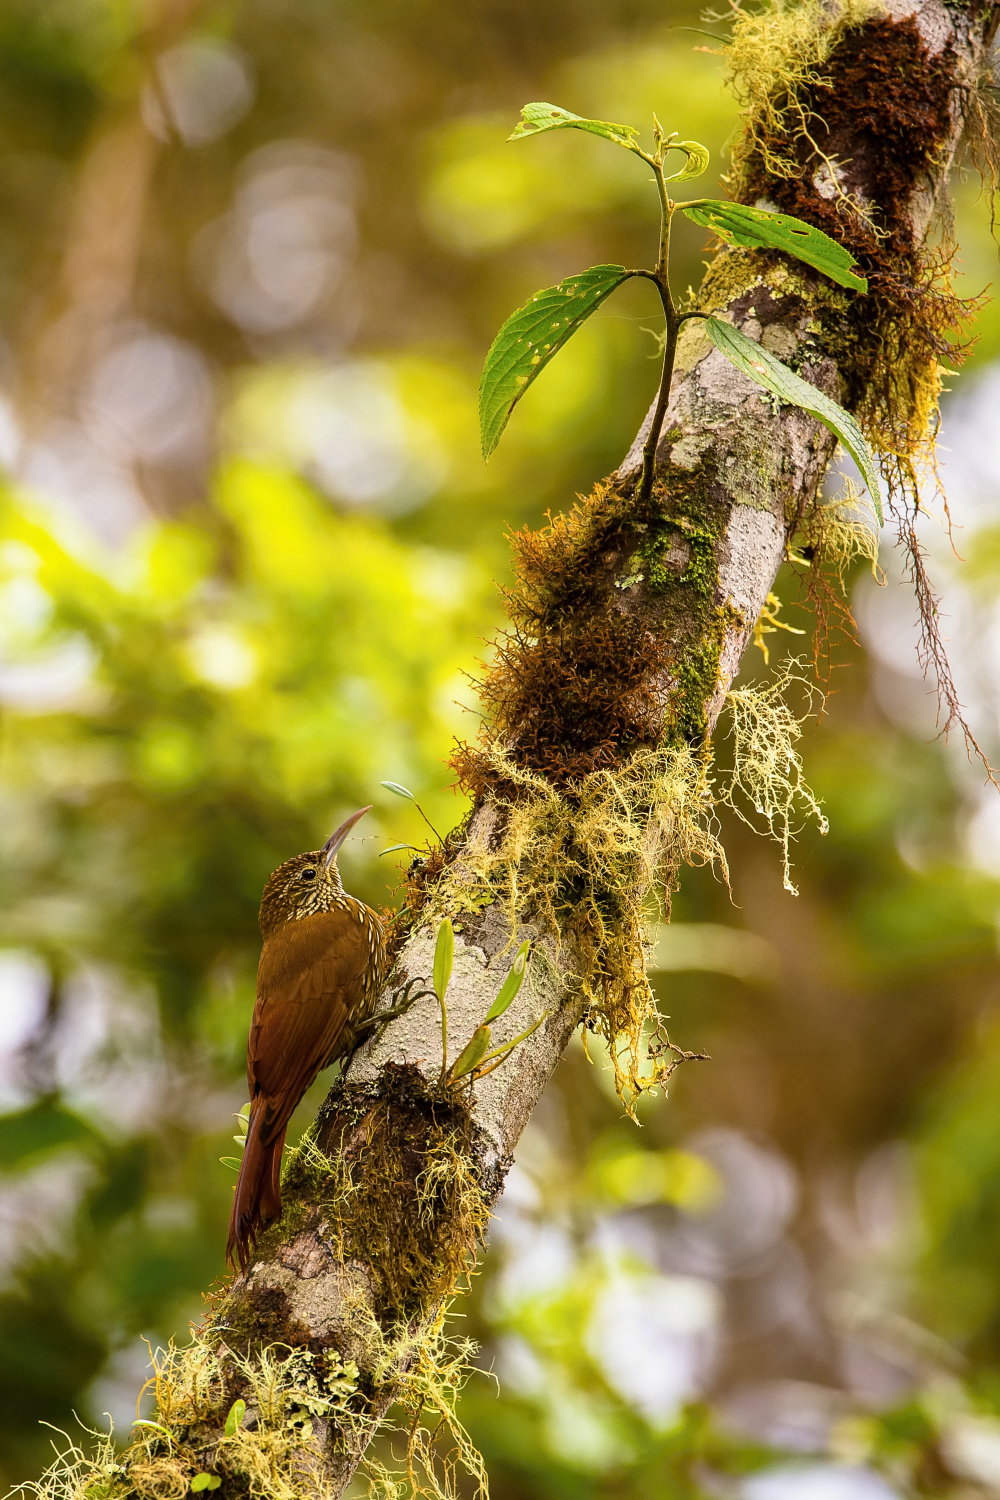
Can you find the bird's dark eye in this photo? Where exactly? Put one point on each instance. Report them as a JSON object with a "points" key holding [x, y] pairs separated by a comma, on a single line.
{"points": [[308, 874]]}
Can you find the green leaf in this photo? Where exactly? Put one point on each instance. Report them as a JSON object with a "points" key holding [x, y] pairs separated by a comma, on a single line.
{"points": [[530, 337], [511, 984], [236, 1414], [501, 1053], [231, 1161], [536, 118], [205, 1482], [400, 791], [28, 1135], [472, 1053], [698, 158], [760, 228], [395, 848], [761, 366], [444, 957], [148, 1422]]}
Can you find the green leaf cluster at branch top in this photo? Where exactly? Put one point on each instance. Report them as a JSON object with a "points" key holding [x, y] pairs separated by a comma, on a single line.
{"points": [[535, 332]]}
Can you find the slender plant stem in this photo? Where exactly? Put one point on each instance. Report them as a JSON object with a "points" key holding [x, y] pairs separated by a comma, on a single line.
{"points": [[427, 820], [500, 1054], [444, 1038], [673, 322], [666, 213], [659, 411]]}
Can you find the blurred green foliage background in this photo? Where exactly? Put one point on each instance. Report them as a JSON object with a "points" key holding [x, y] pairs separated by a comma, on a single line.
{"points": [[251, 256]]}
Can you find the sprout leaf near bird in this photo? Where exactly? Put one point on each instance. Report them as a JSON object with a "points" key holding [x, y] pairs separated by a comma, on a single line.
{"points": [[404, 791], [477, 1058]]}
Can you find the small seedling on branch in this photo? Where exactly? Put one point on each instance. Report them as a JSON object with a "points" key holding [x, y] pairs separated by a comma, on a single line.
{"points": [[477, 1057], [243, 1123], [404, 792], [533, 334], [157, 1427], [234, 1420]]}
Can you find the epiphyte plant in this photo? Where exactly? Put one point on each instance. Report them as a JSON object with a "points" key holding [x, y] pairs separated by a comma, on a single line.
{"points": [[477, 1057], [404, 791], [534, 333]]}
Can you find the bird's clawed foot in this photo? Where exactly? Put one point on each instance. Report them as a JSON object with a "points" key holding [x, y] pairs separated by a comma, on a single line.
{"points": [[407, 995]]}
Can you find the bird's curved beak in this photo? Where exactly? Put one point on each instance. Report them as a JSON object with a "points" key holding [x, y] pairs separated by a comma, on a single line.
{"points": [[333, 843]]}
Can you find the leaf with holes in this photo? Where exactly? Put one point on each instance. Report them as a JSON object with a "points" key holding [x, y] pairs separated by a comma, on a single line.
{"points": [[762, 367], [530, 337], [698, 158], [536, 118], [762, 229]]}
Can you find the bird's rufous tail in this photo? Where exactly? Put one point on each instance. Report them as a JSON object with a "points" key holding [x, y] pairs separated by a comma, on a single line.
{"points": [[257, 1200]]}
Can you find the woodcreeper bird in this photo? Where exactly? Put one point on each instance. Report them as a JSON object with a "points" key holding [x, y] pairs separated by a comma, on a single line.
{"points": [[321, 968]]}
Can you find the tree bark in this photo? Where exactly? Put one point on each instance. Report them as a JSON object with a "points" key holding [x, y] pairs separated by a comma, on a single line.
{"points": [[759, 470]]}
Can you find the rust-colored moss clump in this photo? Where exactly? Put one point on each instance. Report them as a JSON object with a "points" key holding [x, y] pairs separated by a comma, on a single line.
{"points": [[848, 113], [576, 699], [387, 1183], [594, 753], [408, 1200], [610, 605], [870, 129], [387, 1175]]}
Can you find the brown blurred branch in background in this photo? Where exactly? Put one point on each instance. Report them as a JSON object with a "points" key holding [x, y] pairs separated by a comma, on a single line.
{"points": [[94, 289]]}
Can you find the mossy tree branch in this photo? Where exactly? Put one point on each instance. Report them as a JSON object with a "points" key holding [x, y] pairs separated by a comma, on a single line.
{"points": [[628, 625]]}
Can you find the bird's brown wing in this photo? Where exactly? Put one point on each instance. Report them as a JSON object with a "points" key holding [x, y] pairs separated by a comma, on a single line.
{"points": [[309, 980]]}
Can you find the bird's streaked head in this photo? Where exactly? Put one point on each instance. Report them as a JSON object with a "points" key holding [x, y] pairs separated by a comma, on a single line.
{"points": [[307, 883]]}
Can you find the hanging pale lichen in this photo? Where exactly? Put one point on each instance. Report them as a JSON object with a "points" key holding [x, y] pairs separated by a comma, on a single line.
{"points": [[775, 56], [831, 539], [579, 864], [199, 1436], [769, 622], [835, 535], [262, 1426], [767, 777], [846, 114], [583, 863]]}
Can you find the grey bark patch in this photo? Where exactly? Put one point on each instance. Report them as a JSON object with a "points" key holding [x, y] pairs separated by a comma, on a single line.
{"points": [[780, 340], [749, 556], [687, 453], [306, 1255]]}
